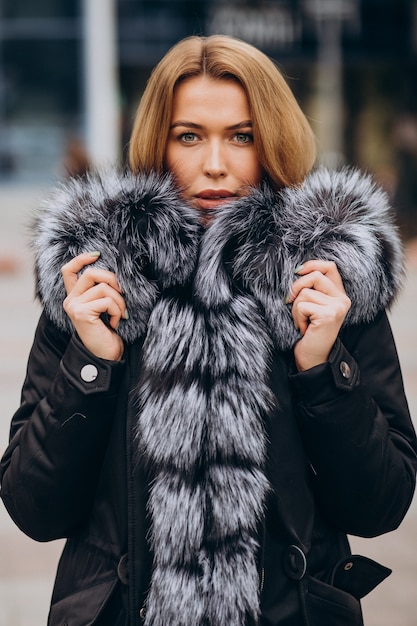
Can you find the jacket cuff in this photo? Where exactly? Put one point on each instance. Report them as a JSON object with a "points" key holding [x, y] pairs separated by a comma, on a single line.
{"points": [[318, 384], [87, 372]]}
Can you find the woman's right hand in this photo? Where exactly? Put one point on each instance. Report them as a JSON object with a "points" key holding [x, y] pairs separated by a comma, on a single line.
{"points": [[90, 295]]}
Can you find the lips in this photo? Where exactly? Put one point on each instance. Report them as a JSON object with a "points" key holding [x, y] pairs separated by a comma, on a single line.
{"points": [[213, 198]]}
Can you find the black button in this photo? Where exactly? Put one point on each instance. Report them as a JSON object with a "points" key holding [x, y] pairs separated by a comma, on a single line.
{"points": [[122, 570], [295, 563]]}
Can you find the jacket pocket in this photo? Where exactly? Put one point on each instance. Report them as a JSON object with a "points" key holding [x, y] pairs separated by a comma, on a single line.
{"points": [[358, 575], [326, 604], [337, 601], [83, 607]]}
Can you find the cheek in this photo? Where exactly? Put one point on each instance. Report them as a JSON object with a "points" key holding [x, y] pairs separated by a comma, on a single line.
{"points": [[175, 164], [252, 171], [168, 158]]}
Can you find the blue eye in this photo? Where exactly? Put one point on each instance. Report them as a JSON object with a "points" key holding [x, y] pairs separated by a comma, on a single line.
{"points": [[244, 138], [187, 137]]}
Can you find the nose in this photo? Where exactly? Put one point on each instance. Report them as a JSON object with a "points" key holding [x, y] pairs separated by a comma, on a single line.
{"points": [[215, 165]]}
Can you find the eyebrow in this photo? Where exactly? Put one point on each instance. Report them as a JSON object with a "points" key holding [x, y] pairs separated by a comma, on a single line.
{"points": [[239, 125]]}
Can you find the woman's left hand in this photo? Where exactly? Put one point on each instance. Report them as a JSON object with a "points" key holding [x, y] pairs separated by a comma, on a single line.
{"points": [[319, 307]]}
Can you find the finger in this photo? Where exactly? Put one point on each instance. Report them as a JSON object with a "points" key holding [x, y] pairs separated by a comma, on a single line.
{"points": [[112, 309], [315, 280], [94, 276], [71, 269], [101, 290], [327, 268], [306, 312], [82, 304], [306, 305], [85, 314], [315, 307]]}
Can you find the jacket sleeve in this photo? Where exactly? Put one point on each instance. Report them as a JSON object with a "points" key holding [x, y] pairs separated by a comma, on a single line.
{"points": [[59, 435], [357, 431]]}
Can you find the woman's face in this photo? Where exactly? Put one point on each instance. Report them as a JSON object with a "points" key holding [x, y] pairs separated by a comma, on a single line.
{"points": [[210, 147]]}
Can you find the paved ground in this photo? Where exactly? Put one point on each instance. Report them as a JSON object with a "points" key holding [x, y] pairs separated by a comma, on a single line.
{"points": [[27, 568]]}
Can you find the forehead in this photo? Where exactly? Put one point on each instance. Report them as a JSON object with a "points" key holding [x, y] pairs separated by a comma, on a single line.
{"points": [[202, 95]]}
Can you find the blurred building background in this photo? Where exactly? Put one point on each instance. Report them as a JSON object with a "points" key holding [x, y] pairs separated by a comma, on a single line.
{"points": [[72, 72]]}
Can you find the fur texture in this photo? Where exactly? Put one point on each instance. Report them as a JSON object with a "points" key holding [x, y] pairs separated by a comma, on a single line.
{"points": [[153, 241], [210, 305]]}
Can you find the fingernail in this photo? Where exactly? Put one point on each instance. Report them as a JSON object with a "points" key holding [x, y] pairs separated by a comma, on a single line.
{"points": [[95, 253], [299, 268], [126, 315], [287, 299]]}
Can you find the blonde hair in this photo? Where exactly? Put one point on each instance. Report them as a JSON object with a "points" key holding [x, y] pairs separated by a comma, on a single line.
{"points": [[283, 139]]}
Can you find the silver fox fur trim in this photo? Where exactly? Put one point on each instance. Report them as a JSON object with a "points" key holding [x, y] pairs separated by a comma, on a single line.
{"points": [[152, 241], [337, 216], [210, 305], [203, 400], [143, 231]]}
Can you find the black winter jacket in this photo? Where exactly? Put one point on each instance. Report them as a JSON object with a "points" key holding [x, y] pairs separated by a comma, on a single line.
{"points": [[202, 480]]}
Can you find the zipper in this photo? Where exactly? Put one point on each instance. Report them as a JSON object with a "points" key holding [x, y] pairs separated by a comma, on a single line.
{"points": [[262, 579], [261, 566]]}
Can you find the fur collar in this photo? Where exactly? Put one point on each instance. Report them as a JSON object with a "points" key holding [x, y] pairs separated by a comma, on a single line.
{"points": [[154, 242], [210, 305]]}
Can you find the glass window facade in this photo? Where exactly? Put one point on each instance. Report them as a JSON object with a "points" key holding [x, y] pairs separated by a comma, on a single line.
{"points": [[42, 108], [40, 104]]}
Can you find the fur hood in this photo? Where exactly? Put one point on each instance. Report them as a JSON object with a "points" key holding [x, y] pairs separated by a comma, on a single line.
{"points": [[210, 304], [153, 242]]}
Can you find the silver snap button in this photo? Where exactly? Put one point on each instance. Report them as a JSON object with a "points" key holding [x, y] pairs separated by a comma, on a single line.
{"points": [[348, 566], [295, 563], [142, 613], [344, 369], [89, 373]]}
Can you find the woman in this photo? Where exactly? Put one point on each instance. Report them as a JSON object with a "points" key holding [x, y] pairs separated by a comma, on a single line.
{"points": [[213, 397]]}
